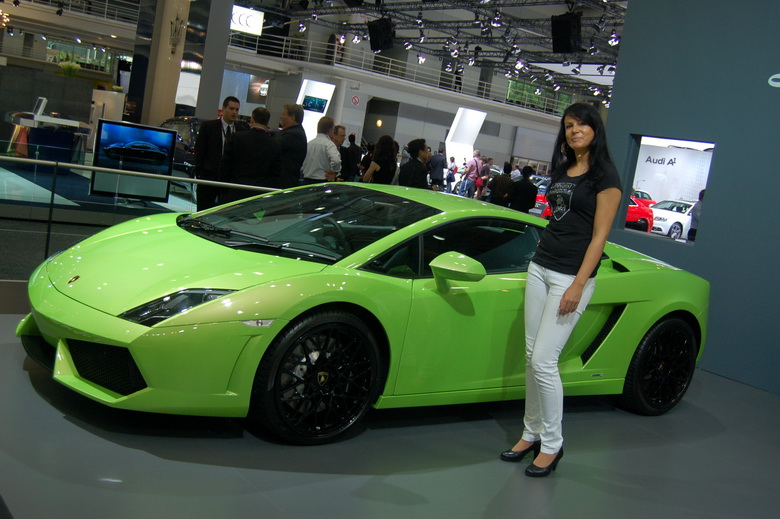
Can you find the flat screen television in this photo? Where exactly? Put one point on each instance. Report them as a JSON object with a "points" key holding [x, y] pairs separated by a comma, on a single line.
{"points": [[133, 147], [314, 104]]}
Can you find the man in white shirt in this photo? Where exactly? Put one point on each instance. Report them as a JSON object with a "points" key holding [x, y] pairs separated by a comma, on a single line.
{"points": [[323, 160]]}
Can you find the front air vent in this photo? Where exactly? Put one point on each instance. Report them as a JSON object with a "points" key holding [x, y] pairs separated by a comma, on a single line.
{"points": [[111, 367]]}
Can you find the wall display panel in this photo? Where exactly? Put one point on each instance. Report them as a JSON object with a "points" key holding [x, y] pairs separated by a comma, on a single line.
{"points": [[670, 178], [134, 147]]}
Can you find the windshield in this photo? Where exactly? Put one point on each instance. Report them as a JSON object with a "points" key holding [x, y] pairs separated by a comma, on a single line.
{"points": [[320, 223], [669, 205]]}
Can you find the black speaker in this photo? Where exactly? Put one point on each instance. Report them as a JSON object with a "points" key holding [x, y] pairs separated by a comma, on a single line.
{"points": [[380, 32], [353, 3], [567, 32]]}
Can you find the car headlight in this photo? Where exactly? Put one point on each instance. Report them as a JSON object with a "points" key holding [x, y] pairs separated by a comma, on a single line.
{"points": [[659, 219], [161, 309]]}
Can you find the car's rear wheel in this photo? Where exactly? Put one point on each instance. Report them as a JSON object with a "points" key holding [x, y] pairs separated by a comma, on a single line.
{"points": [[661, 369], [643, 225], [317, 379], [675, 231]]}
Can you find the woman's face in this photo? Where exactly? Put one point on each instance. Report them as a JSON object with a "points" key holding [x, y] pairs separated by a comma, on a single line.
{"points": [[579, 136]]}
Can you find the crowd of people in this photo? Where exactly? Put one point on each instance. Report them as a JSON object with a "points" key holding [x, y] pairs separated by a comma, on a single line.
{"points": [[230, 151]]}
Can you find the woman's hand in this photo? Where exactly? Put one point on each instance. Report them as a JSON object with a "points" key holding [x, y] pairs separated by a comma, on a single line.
{"points": [[570, 300]]}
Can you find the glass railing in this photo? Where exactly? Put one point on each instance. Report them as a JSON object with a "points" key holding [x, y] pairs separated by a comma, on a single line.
{"points": [[361, 58], [45, 189]]}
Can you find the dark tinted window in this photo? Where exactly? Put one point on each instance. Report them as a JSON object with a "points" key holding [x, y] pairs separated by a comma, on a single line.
{"points": [[500, 245]]}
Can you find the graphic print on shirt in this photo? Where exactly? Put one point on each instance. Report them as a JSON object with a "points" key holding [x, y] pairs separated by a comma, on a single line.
{"points": [[559, 196]]}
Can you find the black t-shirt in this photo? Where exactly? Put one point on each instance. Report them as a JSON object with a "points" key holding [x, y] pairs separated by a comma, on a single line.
{"points": [[573, 204]]}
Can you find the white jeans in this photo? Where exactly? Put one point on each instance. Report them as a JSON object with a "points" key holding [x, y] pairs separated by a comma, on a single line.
{"points": [[546, 334]]}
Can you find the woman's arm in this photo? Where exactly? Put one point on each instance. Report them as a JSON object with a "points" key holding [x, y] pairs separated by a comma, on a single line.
{"points": [[368, 176], [607, 203]]}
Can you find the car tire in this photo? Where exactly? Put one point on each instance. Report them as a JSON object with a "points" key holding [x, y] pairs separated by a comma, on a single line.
{"points": [[661, 368], [317, 379], [675, 231], [643, 225]]}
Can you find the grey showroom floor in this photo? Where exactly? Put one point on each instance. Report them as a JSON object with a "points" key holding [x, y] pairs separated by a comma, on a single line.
{"points": [[62, 456]]}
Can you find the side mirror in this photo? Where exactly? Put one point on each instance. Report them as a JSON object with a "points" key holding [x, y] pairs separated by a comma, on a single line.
{"points": [[453, 266]]}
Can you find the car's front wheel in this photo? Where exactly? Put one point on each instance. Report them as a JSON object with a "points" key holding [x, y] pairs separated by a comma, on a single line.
{"points": [[661, 369], [317, 379], [675, 231]]}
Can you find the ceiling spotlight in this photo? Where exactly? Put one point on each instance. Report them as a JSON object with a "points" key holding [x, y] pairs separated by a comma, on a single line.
{"points": [[454, 52], [407, 45], [487, 30], [43, 37], [356, 38], [592, 50], [508, 74], [78, 40], [59, 11], [9, 30], [420, 59], [476, 19], [520, 64], [16, 3], [301, 27], [556, 87], [448, 68], [576, 70], [566, 63], [422, 36], [600, 69], [614, 39], [342, 38], [606, 102], [538, 91], [611, 69], [314, 15], [459, 69], [365, 36], [496, 22], [419, 18], [472, 61]]}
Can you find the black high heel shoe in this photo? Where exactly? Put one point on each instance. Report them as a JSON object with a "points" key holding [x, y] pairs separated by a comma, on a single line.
{"points": [[538, 472], [511, 455]]}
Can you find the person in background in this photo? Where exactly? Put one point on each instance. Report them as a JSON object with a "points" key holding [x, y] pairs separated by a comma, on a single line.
{"points": [[381, 169], [365, 162], [438, 165], [501, 187], [452, 169], [415, 173], [695, 216], [355, 153], [468, 183], [523, 195], [584, 196], [208, 150], [484, 178], [292, 139], [338, 136], [252, 158], [323, 160]]}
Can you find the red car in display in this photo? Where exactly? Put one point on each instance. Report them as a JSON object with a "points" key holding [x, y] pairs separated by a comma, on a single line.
{"points": [[638, 217], [644, 198]]}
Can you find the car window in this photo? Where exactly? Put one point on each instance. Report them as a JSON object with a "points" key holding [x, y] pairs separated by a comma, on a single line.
{"points": [[402, 261], [500, 245]]}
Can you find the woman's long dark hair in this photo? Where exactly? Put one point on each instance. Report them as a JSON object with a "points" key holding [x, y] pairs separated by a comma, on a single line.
{"points": [[384, 151], [563, 155]]}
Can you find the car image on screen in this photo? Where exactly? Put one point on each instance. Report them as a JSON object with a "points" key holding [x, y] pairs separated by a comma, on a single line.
{"points": [[303, 309]]}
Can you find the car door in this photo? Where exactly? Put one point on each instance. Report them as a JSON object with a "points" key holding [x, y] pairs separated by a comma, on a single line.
{"points": [[471, 336]]}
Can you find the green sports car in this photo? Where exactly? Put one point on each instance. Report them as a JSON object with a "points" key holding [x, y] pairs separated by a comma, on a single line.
{"points": [[301, 309]]}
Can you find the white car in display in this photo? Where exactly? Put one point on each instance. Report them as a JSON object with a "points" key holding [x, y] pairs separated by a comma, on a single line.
{"points": [[672, 218]]}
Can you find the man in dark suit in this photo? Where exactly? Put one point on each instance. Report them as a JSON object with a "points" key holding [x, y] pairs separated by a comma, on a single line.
{"points": [[292, 139], [251, 158], [438, 164], [523, 195], [208, 149], [415, 173]]}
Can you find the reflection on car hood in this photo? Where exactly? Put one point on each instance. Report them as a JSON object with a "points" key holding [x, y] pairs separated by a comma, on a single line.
{"points": [[152, 257]]}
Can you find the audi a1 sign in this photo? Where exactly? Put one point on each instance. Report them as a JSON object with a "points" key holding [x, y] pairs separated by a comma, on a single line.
{"points": [[246, 20]]}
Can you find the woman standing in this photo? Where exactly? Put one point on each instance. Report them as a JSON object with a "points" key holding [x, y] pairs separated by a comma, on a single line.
{"points": [[584, 196], [383, 163]]}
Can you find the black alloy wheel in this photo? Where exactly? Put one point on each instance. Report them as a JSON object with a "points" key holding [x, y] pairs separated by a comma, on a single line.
{"points": [[661, 369], [317, 380]]}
